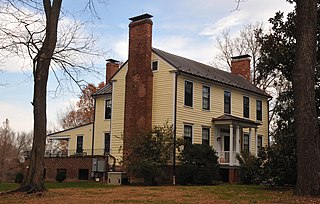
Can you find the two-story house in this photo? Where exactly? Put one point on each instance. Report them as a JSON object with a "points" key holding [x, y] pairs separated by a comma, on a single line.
{"points": [[204, 104]]}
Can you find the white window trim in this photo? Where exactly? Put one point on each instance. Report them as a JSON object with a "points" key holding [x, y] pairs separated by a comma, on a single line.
{"points": [[157, 65], [105, 105], [184, 93], [230, 102], [249, 106], [192, 131], [209, 97]]}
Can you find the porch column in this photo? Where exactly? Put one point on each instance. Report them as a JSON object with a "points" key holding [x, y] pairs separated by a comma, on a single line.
{"points": [[238, 139], [231, 145], [250, 140], [237, 142], [256, 140]]}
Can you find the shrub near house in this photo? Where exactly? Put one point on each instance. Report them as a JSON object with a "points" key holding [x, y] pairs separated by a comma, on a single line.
{"points": [[199, 165]]}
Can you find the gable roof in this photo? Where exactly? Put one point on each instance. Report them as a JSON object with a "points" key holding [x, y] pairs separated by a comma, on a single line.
{"points": [[205, 71], [107, 89]]}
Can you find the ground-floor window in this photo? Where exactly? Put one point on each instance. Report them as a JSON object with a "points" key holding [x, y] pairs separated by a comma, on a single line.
{"points": [[205, 135], [187, 135], [44, 173], [259, 142], [83, 174], [246, 142]]}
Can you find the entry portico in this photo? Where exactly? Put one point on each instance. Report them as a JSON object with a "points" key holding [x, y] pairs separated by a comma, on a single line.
{"points": [[232, 135]]}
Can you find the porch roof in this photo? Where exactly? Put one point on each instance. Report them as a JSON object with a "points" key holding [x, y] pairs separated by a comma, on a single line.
{"points": [[230, 119]]}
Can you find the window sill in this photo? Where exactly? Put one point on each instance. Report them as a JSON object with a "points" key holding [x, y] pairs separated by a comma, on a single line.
{"points": [[191, 107], [206, 110]]}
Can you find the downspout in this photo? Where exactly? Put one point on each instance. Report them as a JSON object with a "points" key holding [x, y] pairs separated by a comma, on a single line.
{"points": [[268, 130], [175, 128], [93, 126]]}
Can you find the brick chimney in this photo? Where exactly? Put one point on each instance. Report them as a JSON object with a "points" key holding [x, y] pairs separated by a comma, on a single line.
{"points": [[139, 79], [111, 68], [240, 65]]}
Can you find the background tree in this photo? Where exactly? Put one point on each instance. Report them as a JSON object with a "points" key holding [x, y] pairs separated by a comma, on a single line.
{"points": [[244, 43], [8, 152], [83, 113], [33, 32], [278, 53], [305, 112]]}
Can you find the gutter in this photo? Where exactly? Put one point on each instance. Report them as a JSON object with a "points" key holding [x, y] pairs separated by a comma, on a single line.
{"points": [[93, 126], [175, 129]]}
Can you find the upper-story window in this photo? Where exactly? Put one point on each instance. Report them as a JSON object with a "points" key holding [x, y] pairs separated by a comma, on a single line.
{"points": [[259, 110], [187, 135], [79, 144], [206, 97], [154, 65], [227, 102], [107, 109], [188, 93], [246, 107], [205, 135]]}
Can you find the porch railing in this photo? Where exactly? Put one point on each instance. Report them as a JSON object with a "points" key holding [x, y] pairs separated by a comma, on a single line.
{"points": [[72, 153], [224, 157]]}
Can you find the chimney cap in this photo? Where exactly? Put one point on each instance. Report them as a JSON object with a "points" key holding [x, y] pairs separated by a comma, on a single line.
{"points": [[140, 17], [241, 56], [112, 61]]}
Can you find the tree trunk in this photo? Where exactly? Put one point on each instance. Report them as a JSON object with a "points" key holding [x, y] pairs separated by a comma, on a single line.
{"points": [[305, 116], [34, 180]]}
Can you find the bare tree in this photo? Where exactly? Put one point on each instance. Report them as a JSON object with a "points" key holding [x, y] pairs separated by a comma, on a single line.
{"points": [[8, 152], [244, 43], [31, 30]]}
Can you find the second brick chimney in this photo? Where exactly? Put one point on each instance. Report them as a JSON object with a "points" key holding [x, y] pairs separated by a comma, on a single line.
{"points": [[240, 65], [111, 68], [139, 79]]}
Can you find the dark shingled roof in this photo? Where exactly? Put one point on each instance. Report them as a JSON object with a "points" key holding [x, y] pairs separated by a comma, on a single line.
{"points": [[107, 89], [205, 71], [231, 117]]}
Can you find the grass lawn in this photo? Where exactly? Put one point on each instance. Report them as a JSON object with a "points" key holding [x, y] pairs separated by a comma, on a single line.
{"points": [[91, 192]]}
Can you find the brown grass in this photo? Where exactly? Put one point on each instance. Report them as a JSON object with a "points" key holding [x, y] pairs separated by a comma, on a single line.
{"points": [[163, 194]]}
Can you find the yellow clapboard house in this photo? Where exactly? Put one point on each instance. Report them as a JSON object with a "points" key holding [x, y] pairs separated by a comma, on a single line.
{"points": [[204, 104]]}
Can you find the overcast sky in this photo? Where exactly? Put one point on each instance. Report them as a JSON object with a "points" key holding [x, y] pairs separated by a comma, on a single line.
{"points": [[183, 27]]}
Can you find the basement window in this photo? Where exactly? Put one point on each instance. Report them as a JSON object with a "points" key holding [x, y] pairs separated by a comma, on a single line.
{"points": [[83, 174], [154, 65]]}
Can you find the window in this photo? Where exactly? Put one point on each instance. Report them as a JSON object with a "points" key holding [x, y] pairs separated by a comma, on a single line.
{"points": [[107, 113], [106, 143], [79, 144], [205, 135], [246, 107], [187, 135], [227, 102], [246, 142], [83, 174], [154, 66], [44, 173], [205, 97], [259, 110], [62, 172], [259, 142], [188, 93]]}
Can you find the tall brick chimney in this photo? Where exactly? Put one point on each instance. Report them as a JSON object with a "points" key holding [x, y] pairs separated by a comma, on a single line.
{"points": [[240, 65], [139, 79], [111, 68]]}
